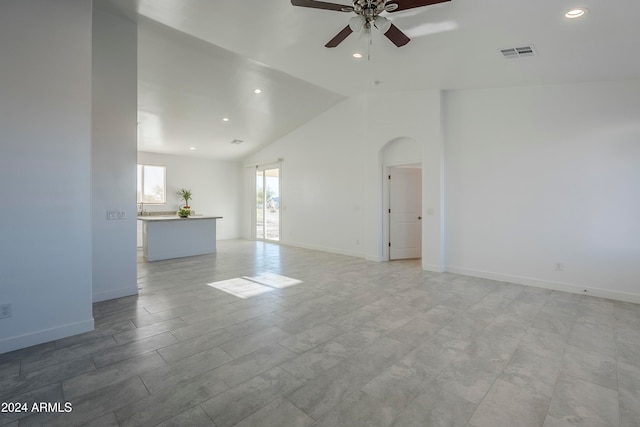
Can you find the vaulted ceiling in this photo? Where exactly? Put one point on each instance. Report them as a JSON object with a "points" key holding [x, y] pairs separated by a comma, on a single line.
{"points": [[200, 61]]}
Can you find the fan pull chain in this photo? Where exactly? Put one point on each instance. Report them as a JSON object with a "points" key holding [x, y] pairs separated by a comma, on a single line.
{"points": [[369, 45]]}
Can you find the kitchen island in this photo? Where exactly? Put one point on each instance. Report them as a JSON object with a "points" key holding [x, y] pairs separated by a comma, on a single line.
{"points": [[169, 236]]}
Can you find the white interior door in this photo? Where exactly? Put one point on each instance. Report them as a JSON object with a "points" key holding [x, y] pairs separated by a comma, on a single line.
{"points": [[405, 216]]}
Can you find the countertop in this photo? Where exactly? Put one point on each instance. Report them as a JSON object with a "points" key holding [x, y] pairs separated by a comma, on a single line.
{"points": [[175, 217]]}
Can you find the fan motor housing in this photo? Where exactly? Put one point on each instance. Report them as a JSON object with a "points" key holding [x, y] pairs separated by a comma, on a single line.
{"points": [[369, 8]]}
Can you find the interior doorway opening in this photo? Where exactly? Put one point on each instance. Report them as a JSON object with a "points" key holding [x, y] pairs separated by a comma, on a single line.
{"points": [[268, 203]]}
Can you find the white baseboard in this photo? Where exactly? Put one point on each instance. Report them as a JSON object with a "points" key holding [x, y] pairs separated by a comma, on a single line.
{"points": [[548, 284], [322, 249], [374, 258], [115, 293], [520, 280], [45, 335], [437, 268]]}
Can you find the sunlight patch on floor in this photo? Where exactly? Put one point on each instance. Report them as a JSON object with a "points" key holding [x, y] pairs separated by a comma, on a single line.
{"points": [[241, 288], [247, 287], [274, 280]]}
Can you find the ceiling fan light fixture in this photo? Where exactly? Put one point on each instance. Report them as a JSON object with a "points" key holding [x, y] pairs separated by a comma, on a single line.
{"points": [[576, 13], [368, 14], [390, 7], [382, 24], [356, 23]]}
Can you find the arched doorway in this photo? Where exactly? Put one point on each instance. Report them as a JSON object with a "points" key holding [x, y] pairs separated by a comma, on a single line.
{"points": [[401, 160]]}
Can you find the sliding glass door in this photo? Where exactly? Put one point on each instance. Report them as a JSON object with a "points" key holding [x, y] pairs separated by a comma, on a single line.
{"points": [[268, 203]]}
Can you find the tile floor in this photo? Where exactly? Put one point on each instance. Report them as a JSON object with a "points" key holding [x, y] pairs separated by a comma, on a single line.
{"points": [[355, 344]]}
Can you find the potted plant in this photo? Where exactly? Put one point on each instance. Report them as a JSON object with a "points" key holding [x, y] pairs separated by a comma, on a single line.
{"points": [[184, 211], [186, 195]]}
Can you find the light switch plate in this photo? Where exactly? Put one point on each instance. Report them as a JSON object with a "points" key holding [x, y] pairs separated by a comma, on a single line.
{"points": [[5, 311], [116, 215]]}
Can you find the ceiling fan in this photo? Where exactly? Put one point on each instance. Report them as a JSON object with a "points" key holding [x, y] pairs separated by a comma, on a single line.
{"points": [[368, 15]]}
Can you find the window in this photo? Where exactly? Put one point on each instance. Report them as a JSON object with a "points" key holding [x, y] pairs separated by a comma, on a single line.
{"points": [[151, 184]]}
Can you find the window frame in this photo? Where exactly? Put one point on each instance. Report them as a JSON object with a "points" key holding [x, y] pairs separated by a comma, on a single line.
{"points": [[140, 184]]}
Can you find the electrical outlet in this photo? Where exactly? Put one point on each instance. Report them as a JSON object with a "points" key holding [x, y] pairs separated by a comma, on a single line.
{"points": [[116, 215], [5, 311]]}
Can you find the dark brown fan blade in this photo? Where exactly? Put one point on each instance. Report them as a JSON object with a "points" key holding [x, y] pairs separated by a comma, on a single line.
{"points": [[322, 5], [410, 4], [396, 36], [339, 37]]}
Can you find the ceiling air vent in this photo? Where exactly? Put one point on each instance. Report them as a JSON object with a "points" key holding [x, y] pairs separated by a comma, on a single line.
{"points": [[518, 52]]}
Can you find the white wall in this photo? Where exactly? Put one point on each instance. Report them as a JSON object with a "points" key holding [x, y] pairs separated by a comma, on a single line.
{"points": [[332, 176], [534, 177], [45, 170], [216, 187], [114, 154], [544, 175], [322, 196]]}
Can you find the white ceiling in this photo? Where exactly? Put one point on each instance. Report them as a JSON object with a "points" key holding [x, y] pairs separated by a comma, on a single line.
{"points": [[201, 60]]}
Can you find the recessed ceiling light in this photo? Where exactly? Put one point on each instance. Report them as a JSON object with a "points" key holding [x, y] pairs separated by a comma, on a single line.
{"points": [[257, 91], [225, 119], [357, 55], [576, 13], [192, 148]]}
